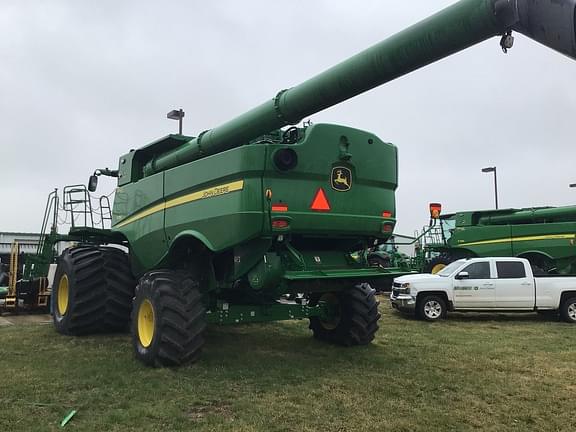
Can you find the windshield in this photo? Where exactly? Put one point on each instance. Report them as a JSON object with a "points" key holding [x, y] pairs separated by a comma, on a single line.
{"points": [[448, 226], [449, 269]]}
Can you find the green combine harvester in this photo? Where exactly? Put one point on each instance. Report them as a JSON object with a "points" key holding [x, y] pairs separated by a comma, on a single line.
{"points": [[546, 236], [257, 220]]}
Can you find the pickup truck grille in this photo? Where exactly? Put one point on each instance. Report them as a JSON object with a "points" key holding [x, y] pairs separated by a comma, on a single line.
{"points": [[395, 292], [396, 285]]}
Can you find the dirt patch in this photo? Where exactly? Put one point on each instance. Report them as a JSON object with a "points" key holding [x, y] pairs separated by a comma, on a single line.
{"points": [[7, 319], [217, 408]]}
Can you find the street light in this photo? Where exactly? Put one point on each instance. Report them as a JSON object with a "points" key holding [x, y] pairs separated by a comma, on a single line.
{"points": [[177, 115], [488, 170]]}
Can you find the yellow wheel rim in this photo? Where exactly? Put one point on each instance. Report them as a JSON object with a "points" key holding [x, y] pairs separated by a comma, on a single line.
{"points": [[63, 293], [437, 268], [332, 300], [146, 323]]}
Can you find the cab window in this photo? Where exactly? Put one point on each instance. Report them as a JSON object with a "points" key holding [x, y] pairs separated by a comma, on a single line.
{"points": [[510, 270], [479, 270]]}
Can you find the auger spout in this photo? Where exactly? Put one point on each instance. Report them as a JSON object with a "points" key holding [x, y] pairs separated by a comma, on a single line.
{"points": [[454, 29]]}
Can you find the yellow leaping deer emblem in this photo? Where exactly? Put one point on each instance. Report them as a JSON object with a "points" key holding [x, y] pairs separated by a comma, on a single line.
{"points": [[341, 179]]}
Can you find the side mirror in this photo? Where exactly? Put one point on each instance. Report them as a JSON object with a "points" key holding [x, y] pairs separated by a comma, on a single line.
{"points": [[462, 275], [92, 183]]}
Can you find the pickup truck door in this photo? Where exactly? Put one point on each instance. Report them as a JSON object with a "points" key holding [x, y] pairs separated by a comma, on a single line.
{"points": [[476, 291], [514, 286]]}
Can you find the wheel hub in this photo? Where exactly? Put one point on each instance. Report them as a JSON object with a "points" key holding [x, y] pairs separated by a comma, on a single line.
{"points": [[62, 296], [333, 304], [572, 311], [437, 268], [146, 323], [432, 309]]}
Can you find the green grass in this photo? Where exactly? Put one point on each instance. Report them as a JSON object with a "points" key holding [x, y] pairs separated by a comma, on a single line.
{"points": [[471, 372]]}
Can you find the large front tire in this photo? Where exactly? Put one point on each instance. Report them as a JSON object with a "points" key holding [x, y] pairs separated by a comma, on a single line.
{"points": [[168, 319], [93, 290], [355, 318]]}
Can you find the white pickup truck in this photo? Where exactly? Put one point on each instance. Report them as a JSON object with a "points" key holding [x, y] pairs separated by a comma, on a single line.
{"points": [[485, 284]]}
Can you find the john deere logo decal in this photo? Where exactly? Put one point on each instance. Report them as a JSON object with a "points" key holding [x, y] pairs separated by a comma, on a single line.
{"points": [[341, 179]]}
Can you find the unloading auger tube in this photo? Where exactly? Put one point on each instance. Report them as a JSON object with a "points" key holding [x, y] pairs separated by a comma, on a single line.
{"points": [[556, 214], [462, 25]]}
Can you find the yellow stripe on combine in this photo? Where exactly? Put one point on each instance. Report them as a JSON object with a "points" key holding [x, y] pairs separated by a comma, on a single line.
{"points": [[142, 214], [194, 196], [517, 239]]}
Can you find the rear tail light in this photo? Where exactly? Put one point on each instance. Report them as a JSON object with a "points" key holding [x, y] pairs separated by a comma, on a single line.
{"points": [[279, 207], [387, 228], [280, 224]]}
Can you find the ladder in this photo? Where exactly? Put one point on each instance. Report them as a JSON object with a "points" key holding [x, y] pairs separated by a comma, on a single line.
{"points": [[77, 202], [105, 212], [11, 301]]}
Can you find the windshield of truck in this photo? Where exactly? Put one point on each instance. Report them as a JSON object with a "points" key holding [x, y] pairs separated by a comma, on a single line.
{"points": [[449, 269]]}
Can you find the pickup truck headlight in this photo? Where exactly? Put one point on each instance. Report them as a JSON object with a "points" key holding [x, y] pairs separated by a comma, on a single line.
{"points": [[401, 288]]}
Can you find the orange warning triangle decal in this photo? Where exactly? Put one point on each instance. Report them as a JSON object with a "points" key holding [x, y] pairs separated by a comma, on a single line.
{"points": [[320, 202]]}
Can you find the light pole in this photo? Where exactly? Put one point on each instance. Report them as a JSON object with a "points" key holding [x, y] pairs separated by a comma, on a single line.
{"points": [[488, 170], [177, 115]]}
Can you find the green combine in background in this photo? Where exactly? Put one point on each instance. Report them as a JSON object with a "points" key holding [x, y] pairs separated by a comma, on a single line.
{"points": [[257, 220], [546, 236]]}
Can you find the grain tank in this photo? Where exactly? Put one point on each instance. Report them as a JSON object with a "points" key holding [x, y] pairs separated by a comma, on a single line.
{"points": [[259, 220]]}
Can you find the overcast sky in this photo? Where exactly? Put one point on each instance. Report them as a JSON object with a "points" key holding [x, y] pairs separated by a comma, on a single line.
{"points": [[81, 82]]}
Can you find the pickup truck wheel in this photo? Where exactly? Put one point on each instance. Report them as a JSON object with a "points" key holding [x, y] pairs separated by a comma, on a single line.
{"points": [[568, 310], [431, 308]]}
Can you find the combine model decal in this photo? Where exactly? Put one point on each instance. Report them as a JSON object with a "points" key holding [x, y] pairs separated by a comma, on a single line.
{"points": [[194, 196]]}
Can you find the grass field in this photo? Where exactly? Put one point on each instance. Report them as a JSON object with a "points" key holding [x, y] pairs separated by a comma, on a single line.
{"points": [[470, 372]]}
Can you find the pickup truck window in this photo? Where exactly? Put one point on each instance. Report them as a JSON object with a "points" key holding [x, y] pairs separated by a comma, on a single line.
{"points": [[479, 270], [510, 270]]}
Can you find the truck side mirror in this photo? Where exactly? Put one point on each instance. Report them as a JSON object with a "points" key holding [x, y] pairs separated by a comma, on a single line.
{"points": [[462, 275], [92, 183]]}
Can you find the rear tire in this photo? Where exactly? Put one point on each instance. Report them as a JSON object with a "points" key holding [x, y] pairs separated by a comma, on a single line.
{"points": [[93, 290], [568, 310], [168, 319], [356, 319], [431, 308]]}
